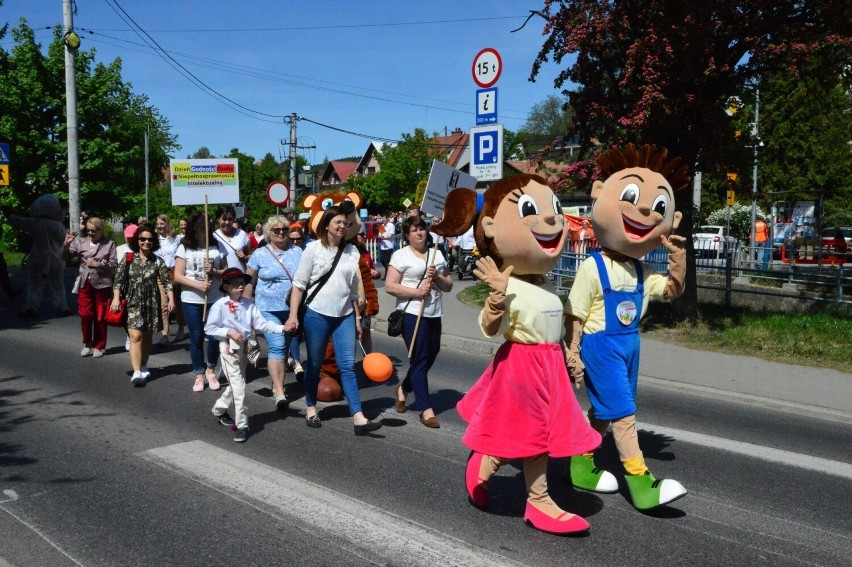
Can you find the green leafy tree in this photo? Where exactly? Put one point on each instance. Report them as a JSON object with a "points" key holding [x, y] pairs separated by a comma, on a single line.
{"points": [[112, 121], [401, 168], [805, 126], [652, 71], [548, 123]]}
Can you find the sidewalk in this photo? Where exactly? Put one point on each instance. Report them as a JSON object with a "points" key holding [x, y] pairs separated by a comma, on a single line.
{"points": [[818, 391]]}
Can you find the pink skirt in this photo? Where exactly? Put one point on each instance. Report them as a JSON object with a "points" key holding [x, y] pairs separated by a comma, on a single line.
{"points": [[524, 405]]}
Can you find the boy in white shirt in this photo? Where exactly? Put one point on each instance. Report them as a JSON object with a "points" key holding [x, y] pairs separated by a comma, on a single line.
{"points": [[232, 320]]}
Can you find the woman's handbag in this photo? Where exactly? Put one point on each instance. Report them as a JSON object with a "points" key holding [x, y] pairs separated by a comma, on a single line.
{"points": [[112, 318], [119, 318], [77, 284], [395, 320]]}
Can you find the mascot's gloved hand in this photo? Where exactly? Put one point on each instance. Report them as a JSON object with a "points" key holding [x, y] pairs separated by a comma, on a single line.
{"points": [[677, 265], [576, 368], [486, 270]]}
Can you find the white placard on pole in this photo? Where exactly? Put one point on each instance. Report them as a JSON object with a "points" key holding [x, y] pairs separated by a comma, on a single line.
{"points": [[193, 178]]}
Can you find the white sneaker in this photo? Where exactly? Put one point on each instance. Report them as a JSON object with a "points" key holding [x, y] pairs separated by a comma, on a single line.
{"points": [[86, 351], [127, 343], [137, 378], [145, 373], [97, 353]]}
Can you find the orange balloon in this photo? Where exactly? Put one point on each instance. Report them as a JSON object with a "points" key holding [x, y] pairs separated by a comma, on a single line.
{"points": [[377, 367]]}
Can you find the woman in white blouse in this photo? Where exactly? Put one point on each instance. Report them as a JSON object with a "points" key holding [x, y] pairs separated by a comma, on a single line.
{"points": [[331, 312], [169, 242]]}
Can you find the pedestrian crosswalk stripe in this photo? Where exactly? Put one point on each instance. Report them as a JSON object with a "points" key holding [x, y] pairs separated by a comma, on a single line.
{"points": [[369, 532]]}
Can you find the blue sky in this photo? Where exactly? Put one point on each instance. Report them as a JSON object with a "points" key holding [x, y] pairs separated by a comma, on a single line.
{"points": [[374, 67]]}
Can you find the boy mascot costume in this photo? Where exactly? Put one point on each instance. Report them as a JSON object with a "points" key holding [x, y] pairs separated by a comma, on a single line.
{"points": [[44, 264], [632, 214], [329, 389], [523, 406]]}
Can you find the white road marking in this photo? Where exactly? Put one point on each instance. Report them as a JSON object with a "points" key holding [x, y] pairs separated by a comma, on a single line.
{"points": [[369, 532], [781, 456], [40, 533]]}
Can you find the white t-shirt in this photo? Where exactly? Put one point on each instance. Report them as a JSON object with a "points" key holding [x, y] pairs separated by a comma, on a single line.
{"points": [[195, 259], [336, 296], [412, 268], [386, 237], [466, 241], [237, 241]]}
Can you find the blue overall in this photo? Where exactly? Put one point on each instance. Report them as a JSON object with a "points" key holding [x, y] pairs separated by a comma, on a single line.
{"points": [[611, 356]]}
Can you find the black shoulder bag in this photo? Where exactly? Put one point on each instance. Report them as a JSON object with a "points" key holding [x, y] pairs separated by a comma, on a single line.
{"points": [[396, 318]]}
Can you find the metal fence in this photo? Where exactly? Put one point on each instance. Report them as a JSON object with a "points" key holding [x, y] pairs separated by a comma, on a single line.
{"points": [[823, 276]]}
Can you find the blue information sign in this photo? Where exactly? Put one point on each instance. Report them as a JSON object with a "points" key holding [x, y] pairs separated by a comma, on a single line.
{"points": [[486, 106], [4, 154]]}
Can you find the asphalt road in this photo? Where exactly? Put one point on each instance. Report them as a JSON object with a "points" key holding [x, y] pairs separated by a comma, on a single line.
{"points": [[95, 472]]}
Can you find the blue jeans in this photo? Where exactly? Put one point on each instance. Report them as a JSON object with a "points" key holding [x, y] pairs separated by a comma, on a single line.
{"points": [[426, 349], [279, 343], [341, 330], [193, 312]]}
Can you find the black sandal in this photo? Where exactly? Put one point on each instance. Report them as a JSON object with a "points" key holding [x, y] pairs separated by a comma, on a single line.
{"points": [[313, 421]]}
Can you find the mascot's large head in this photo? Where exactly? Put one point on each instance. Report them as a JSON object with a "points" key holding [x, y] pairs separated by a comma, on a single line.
{"points": [[317, 203], [635, 204], [518, 221], [47, 206]]}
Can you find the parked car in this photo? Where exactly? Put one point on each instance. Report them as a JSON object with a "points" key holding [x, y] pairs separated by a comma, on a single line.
{"points": [[828, 236], [713, 241]]}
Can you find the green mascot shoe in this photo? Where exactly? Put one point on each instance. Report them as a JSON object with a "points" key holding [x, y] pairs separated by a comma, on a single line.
{"points": [[647, 492], [583, 474]]}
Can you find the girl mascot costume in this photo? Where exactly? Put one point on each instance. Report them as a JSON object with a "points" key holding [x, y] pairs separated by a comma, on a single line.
{"points": [[632, 214], [523, 406]]}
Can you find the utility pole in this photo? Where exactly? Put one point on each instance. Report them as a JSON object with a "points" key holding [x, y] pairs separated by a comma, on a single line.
{"points": [[146, 173], [72, 42], [756, 146], [293, 177]]}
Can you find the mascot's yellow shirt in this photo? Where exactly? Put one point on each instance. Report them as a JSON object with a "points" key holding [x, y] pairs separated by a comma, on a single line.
{"points": [[533, 315], [586, 302]]}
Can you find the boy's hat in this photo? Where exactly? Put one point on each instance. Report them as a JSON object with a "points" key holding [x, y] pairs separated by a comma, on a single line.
{"points": [[231, 275]]}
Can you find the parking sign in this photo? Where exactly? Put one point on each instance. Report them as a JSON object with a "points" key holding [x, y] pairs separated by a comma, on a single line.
{"points": [[487, 152]]}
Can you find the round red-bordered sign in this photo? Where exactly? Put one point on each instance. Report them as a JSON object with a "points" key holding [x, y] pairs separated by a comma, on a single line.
{"points": [[278, 193], [487, 66]]}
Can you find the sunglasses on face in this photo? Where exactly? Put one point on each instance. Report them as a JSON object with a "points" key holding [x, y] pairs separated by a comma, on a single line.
{"points": [[296, 238], [142, 239], [278, 231]]}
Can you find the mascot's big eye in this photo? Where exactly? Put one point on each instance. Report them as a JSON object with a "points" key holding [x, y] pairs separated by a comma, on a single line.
{"points": [[557, 206], [661, 205], [326, 203], [630, 193], [526, 206]]}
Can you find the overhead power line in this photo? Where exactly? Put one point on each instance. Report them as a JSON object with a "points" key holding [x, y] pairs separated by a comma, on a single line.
{"points": [[184, 30], [186, 72]]}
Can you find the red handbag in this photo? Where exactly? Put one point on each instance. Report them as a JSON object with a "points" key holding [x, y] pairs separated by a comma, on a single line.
{"points": [[112, 318], [119, 318]]}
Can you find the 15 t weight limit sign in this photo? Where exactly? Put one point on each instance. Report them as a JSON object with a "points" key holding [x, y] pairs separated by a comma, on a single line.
{"points": [[487, 66]]}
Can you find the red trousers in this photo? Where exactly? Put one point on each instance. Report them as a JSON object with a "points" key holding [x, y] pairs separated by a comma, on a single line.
{"points": [[88, 300]]}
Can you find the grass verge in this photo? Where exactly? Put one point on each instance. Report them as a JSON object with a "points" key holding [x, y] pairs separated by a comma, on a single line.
{"points": [[822, 339]]}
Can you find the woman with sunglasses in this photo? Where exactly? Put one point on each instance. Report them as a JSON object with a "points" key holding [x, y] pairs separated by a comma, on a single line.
{"points": [[94, 286], [142, 275], [272, 269]]}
